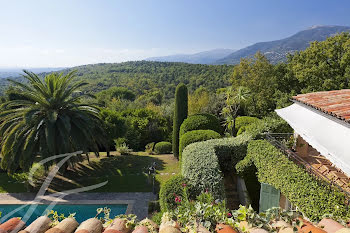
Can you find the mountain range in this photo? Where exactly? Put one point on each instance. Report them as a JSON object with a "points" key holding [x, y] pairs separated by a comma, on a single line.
{"points": [[276, 51], [206, 57]]}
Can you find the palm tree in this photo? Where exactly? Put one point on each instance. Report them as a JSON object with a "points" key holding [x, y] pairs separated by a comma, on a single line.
{"points": [[47, 119], [234, 99]]}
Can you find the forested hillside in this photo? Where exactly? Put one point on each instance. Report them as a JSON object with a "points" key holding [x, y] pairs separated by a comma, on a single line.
{"points": [[144, 76]]}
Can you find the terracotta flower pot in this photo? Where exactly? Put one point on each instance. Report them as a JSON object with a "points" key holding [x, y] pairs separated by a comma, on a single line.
{"points": [[222, 228], [258, 230], [150, 222], [140, 229], [330, 225], [12, 225], [344, 230], [169, 229], [309, 228]]}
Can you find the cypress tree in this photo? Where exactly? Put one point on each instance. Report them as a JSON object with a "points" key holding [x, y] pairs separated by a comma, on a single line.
{"points": [[180, 114]]}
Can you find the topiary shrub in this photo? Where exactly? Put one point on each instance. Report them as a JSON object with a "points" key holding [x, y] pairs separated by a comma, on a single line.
{"points": [[243, 121], [180, 114], [201, 122], [163, 148], [169, 190], [196, 136], [203, 163]]}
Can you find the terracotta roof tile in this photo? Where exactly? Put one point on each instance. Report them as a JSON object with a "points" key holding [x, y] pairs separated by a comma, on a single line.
{"points": [[335, 103]]}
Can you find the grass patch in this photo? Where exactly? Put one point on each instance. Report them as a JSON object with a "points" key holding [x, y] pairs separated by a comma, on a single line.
{"points": [[9, 184], [124, 173]]}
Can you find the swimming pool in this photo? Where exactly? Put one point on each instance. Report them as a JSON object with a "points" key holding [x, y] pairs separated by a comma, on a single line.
{"points": [[83, 212]]}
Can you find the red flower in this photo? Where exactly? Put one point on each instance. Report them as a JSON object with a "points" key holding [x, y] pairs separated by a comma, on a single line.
{"points": [[229, 215], [184, 185], [177, 199]]}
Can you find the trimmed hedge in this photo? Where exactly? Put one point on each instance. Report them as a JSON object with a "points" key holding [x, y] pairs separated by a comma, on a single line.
{"points": [[196, 136], [163, 148], [201, 122], [180, 114], [313, 197], [168, 191], [203, 163]]}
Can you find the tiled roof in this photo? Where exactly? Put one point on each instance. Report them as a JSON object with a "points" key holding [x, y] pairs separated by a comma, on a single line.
{"points": [[335, 103], [94, 225]]}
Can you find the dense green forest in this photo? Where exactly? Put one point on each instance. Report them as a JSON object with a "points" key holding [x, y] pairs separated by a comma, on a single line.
{"points": [[143, 77], [137, 98]]}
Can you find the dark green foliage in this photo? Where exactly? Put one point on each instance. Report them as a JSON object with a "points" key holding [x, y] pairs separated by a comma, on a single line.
{"points": [[115, 93], [323, 65], [48, 121], [157, 217], [244, 121], [114, 125], [180, 114], [201, 121], [144, 126], [196, 136], [143, 77], [169, 190], [203, 163], [163, 148], [268, 124], [313, 197]]}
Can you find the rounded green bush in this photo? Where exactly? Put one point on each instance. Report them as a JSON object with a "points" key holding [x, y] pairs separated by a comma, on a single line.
{"points": [[201, 122], [244, 121], [196, 136], [163, 148], [169, 190]]}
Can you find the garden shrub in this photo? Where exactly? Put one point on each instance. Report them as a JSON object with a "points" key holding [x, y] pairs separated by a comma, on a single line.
{"points": [[196, 136], [242, 121], [157, 217], [313, 197], [201, 122], [180, 114], [203, 163], [169, 190], [163, 148], [268, 124]]}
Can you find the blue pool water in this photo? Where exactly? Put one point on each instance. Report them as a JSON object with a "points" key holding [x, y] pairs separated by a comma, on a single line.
{"points": [[83, 212]]}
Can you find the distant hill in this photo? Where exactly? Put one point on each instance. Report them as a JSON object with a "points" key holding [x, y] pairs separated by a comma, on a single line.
{"points": [[206, 57], [277, 50], [15, 72], [146, 76]]}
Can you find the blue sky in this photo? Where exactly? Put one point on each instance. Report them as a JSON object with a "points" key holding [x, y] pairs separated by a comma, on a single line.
{"points": [[57, 33]]}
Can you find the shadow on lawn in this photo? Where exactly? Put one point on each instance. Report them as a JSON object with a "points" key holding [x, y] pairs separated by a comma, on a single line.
{"points": [[126, 173]]}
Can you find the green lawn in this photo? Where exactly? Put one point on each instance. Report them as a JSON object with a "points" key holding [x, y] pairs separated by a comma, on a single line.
{"points": [[123, 173], [10, 185]]}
